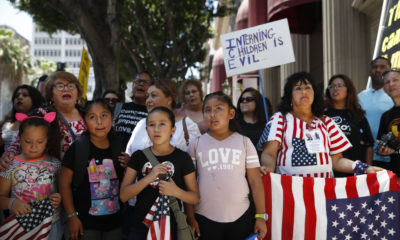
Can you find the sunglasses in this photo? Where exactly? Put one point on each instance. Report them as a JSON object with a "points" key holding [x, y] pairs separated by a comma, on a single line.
{"points": [[142, 81], [246, 99], [111, 100], [338, 86]]}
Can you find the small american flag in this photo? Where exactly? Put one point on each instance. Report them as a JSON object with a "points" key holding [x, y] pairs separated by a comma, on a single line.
{"points": [[33, 226], [158, 219], [358, 207]]}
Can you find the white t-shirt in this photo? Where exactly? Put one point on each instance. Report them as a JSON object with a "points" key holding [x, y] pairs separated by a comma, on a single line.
{"points": [[221, 168], [8, 135], [140, 139]]}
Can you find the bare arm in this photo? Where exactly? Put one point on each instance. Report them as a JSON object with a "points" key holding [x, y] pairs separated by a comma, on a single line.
{"points": [[257, 189], [130, 188], [75, 227], [369, 154], [268, 156], [190, 196], [345, 165]]}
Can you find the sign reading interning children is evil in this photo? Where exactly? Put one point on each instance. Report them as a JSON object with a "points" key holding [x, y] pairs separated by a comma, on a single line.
{"points": [[258, 47]]}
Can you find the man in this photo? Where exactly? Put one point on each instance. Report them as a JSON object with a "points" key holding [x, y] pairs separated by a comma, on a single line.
{"points": [[390, 121], [375, 102], [131, 113]]}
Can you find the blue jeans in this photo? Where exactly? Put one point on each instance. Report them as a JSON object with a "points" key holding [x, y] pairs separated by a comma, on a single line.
{"points": [[57, 230]]}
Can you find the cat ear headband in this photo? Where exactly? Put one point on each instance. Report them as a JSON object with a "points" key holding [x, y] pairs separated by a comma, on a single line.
{"points": [[48, 117]]}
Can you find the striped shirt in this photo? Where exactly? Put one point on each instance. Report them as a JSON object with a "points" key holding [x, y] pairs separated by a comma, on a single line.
{"points": [[293, 158]]}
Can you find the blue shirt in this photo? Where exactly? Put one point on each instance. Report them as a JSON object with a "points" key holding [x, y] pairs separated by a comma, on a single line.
{"points": [[375, 103]]}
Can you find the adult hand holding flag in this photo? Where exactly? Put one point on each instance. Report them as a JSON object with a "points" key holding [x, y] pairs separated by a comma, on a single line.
{"points": [[358, 207]]}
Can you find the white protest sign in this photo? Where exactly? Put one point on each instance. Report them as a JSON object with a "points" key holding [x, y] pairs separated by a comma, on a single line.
{"points": [[258, 47]]}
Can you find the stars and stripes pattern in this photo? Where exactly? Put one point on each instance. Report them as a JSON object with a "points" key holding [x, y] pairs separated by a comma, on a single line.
{"points": [[292, 160], [158, 219], [357, 207], [33, 226]]}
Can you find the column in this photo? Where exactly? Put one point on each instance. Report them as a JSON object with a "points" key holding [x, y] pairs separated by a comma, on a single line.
{"points": [[345, 42]]}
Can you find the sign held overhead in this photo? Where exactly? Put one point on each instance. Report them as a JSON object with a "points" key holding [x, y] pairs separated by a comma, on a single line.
{"points": [[258, 47]]}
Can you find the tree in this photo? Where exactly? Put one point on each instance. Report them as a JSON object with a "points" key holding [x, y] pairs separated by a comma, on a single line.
{"points": [[164, 37]]}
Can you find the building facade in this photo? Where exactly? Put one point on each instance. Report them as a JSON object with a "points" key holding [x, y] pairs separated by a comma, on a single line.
{"points": [[328, 37], [61, 47]]}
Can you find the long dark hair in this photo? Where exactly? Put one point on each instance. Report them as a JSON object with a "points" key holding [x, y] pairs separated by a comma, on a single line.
{"points": [[53, 132], [259, 111], [34, 94], [351, 99], [285, 105], [233, 124]]}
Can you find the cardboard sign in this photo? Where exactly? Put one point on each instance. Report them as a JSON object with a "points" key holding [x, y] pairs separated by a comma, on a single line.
{"points": [[84, 71], [258, 47]]}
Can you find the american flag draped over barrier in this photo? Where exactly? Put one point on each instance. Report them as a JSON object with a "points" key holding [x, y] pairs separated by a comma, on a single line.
{"points": [[34, 226], [359, 207], [158, 219]]}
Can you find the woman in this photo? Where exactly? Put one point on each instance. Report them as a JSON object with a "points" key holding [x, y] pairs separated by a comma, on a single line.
{"points": [[162, 93], [251, 115], [299, 141], [63, 93], [24, 99], [342, 106], [192, 98]]}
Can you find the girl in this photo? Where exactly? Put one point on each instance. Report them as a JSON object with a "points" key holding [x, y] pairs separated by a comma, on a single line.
{"points": [[31, 177], [342, 106], [223, 157], [175, 163], [90, 176], [24, 99]]}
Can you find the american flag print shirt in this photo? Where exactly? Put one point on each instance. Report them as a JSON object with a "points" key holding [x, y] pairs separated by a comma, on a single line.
{"points": [[293, 158]]}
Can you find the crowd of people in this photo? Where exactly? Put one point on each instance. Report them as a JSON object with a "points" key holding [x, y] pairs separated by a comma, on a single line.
{"points": [[107, 167]]}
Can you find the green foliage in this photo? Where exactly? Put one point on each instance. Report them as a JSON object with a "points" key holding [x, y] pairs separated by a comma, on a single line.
{"points": [[13, 54], [40, 68]]}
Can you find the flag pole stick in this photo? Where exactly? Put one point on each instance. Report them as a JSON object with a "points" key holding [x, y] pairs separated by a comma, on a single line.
{"points": [[263, 94]]}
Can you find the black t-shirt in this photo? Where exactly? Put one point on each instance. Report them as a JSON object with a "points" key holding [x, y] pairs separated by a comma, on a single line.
{"points": [[130, 114], [390, 122], [252, 131], [83, 198], [182, 165], [357, 132]]}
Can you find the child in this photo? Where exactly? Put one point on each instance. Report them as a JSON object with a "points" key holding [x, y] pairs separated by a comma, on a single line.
{"points": [[223, 157], [25, 181], [90, 176], [175, 165]]}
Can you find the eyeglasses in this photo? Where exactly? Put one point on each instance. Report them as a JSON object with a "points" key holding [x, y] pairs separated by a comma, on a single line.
{"points": [[141, 81], [111, 100], [246, 99], [61, 86], [338, 86], [191, 92]]}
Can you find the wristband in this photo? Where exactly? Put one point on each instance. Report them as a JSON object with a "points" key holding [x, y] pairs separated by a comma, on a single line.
{"points": [[262, 216], [72, 214], [359, 167], [10, 203]]}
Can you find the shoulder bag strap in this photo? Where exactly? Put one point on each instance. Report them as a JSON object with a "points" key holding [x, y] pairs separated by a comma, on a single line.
{"points": [[150, 156], [68, 126], [185, 131]]}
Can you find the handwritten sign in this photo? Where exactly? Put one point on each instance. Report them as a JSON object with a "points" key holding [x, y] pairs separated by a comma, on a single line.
{"points": [[258, 47], [84, 71]]}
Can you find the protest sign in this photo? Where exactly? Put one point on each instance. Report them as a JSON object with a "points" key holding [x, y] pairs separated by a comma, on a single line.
{"points": [[84, 71], [258, 47]]}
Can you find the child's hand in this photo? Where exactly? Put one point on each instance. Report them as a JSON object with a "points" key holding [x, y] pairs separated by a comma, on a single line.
{"points": [[167, 188], [6, 160], [20, 208], [55, 200], [123, 159], [195, 226], [157, 170], [260, 227], [75, 227]]}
